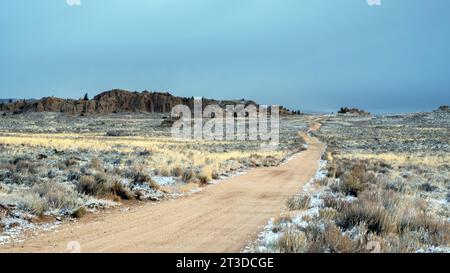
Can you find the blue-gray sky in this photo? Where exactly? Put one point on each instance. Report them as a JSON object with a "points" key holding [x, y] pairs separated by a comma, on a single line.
{"points": [[305, 54]]}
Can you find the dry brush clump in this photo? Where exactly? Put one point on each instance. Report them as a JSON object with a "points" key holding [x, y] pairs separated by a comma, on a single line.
{"points": [[139, 176], [46, 198], [95, 185], [291, 241], [388, 212], [176, 171], [58, 196], [298, 202], [361, 211], [28, 202], [120, 190], [328, 238], [354, 176]]}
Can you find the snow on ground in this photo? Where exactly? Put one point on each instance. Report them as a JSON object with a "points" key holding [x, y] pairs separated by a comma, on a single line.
{"points": [[272, 232], [94, 204], [15, 225], [164, 180], [434, 249]]}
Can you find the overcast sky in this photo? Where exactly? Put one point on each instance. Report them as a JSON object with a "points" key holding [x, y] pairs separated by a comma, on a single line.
{"points": [[305, 54]]}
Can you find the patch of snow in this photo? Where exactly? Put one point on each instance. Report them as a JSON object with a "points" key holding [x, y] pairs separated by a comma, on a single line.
{"points": [[148, 192], [321, 172], [14, 226], [299, 218], [316, 201], [440, 202], [349, 198], [164, 180], [94, 204], [265, 239], [308, 187], [434, 249]]}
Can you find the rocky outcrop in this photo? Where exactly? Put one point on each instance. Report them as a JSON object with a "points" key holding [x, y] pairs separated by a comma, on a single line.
{"points": [[124, 101], [107, 102], [443, 108], [116, 101], [354, 111]]}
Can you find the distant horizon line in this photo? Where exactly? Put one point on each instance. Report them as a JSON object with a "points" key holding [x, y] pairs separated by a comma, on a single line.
{"points": [[306, 110]]}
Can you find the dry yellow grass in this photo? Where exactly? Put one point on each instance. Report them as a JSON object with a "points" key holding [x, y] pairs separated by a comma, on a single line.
{"points": [[165, 152], [397, 158]]}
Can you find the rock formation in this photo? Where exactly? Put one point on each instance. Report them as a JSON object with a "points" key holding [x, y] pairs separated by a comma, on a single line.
{"points": [[116, 101], [443, 108], [354, 111]]}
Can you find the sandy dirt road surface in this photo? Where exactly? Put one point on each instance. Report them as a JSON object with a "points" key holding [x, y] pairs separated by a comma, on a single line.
{"points": [[222, 218]]}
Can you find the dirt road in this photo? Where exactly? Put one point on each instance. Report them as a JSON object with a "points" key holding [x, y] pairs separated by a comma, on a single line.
{"points": [[222, 218]]}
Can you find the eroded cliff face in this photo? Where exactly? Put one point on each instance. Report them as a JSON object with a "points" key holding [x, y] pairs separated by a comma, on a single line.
{"points": [[106, 102], [115, 101], [124, 101]]}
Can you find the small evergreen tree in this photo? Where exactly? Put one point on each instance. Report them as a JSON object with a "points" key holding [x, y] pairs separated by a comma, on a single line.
{"points": [[86, 97]]}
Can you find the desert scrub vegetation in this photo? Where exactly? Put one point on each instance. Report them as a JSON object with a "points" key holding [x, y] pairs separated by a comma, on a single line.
{"points": [[298, 202], [167, 157], [50, 197], [54, 166], [385, 188], [372, 216]]}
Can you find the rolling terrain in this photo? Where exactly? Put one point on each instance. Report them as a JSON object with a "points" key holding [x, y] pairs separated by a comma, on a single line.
{"points": [[222, 218]]}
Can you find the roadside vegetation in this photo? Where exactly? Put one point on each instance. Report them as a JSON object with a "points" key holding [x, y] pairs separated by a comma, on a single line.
{"points": [[381, 188], [75, 165]]}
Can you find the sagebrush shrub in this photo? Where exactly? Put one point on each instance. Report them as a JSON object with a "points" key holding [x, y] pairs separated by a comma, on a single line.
{"points": [[356, 180], [96, 185], [291, 241], [176, 171], [58, 196], [120, 190], [298, 202]]}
